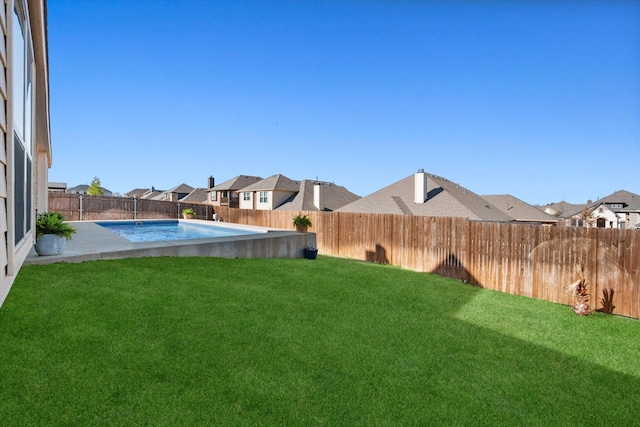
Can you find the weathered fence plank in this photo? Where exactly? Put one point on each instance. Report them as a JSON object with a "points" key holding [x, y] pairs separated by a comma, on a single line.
{"points": [[528, 260]]}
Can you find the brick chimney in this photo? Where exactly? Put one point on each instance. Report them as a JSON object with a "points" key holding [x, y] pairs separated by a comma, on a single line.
{"points": [[212, 182], [420, 186]]}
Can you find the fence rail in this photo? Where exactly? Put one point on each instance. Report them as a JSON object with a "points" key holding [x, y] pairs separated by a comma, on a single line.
{"points": [[77, 207], [528, 260]]}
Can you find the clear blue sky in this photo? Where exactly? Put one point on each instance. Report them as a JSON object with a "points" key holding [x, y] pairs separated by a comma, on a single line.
{"points": [[539, 99]]}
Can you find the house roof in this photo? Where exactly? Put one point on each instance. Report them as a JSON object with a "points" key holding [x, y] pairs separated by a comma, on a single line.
{"points": [[629, 199], [57, 185], [182, 188], [82, 188], [334, 197], [152, 195], [562, 209], [198, 195], [276, 182], [519, 209], [137, 192], [236, 183], [444, 198]]}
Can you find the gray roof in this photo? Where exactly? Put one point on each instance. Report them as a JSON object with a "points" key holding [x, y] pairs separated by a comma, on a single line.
{"points": [[276, 182], [236, 183], [153, 195], [83, 188], [137, 192], [334, 197], [57, 185], [444, 198], [631, 200], [198, 195], [182, 188], [519, 209], [563, 209]]}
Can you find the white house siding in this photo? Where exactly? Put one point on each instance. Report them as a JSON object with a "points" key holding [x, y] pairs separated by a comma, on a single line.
{"points": [[247, 204], [34, 143], [610, 218], [274, 199]]}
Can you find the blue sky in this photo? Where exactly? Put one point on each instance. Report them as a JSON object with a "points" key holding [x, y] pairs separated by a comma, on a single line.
{"points": [[539, 99]]}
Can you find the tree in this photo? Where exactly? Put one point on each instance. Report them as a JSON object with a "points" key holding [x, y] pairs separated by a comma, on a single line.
{"points": [[95, 189], [587, 217]]}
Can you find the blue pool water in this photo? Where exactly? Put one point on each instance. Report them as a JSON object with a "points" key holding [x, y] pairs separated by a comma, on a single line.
{"points": [[158, 231]]}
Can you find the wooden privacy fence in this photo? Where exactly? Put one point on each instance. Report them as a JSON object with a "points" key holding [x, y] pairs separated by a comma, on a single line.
{"points": [[77, 207], [528, 260]]}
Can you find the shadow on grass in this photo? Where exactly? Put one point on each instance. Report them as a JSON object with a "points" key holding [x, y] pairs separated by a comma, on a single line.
{"points": [[194, 341]]}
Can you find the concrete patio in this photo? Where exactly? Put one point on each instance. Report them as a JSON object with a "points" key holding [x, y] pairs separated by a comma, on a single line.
{"points": [[93, 242]]}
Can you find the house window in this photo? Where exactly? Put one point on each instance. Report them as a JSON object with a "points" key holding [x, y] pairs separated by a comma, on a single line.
{"points": [[214, 196], [22, 123], [225, 194], [616, 205], [263, 197], [246, 196]]}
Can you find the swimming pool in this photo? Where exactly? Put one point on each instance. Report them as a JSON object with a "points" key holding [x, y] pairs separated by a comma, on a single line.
{"points": [[93, 242], [167, 230]]}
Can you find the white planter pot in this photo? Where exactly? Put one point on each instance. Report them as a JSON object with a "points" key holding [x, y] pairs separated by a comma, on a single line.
{"points": [[50, 244]]}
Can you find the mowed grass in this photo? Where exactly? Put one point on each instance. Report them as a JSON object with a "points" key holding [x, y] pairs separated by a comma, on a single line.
{"points": [[205, 341]]}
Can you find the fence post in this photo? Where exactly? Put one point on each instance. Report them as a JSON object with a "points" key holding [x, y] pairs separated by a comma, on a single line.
{"points": [[81, 207], [135, 208]]}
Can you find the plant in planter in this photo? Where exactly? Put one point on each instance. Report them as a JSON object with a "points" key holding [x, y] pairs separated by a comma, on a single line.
{"points": [[52, 233], [302, 223], [188, 213], [310, 252]]}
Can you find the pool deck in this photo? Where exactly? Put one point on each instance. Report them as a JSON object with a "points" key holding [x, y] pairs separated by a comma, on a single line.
{"points": [[93, 242]]}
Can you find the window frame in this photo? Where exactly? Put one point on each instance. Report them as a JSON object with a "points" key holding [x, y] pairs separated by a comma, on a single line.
{"points": [[20, 135]]}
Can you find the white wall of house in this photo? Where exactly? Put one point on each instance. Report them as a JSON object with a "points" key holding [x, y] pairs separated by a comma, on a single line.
{"points": [[274, 199], [611, 220], [247, 199]]}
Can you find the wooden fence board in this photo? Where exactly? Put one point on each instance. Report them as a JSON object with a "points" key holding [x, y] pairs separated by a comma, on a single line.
{"points": [[529, 260]]}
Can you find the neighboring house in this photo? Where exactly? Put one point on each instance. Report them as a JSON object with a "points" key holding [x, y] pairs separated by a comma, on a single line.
{"points": [[82, 189], [618, 210], [561, 209], [428, 195], [175, 194], [318, 196], [269, 193], [198, 195], [137, 193], [25, 153], [57, 187], [226, 194], [520, 210]]}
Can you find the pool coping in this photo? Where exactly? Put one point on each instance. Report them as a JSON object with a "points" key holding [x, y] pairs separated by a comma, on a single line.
{"points": [[93, 242]]}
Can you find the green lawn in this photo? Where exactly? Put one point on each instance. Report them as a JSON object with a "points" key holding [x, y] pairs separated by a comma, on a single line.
{"points": [[205, 341]]}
